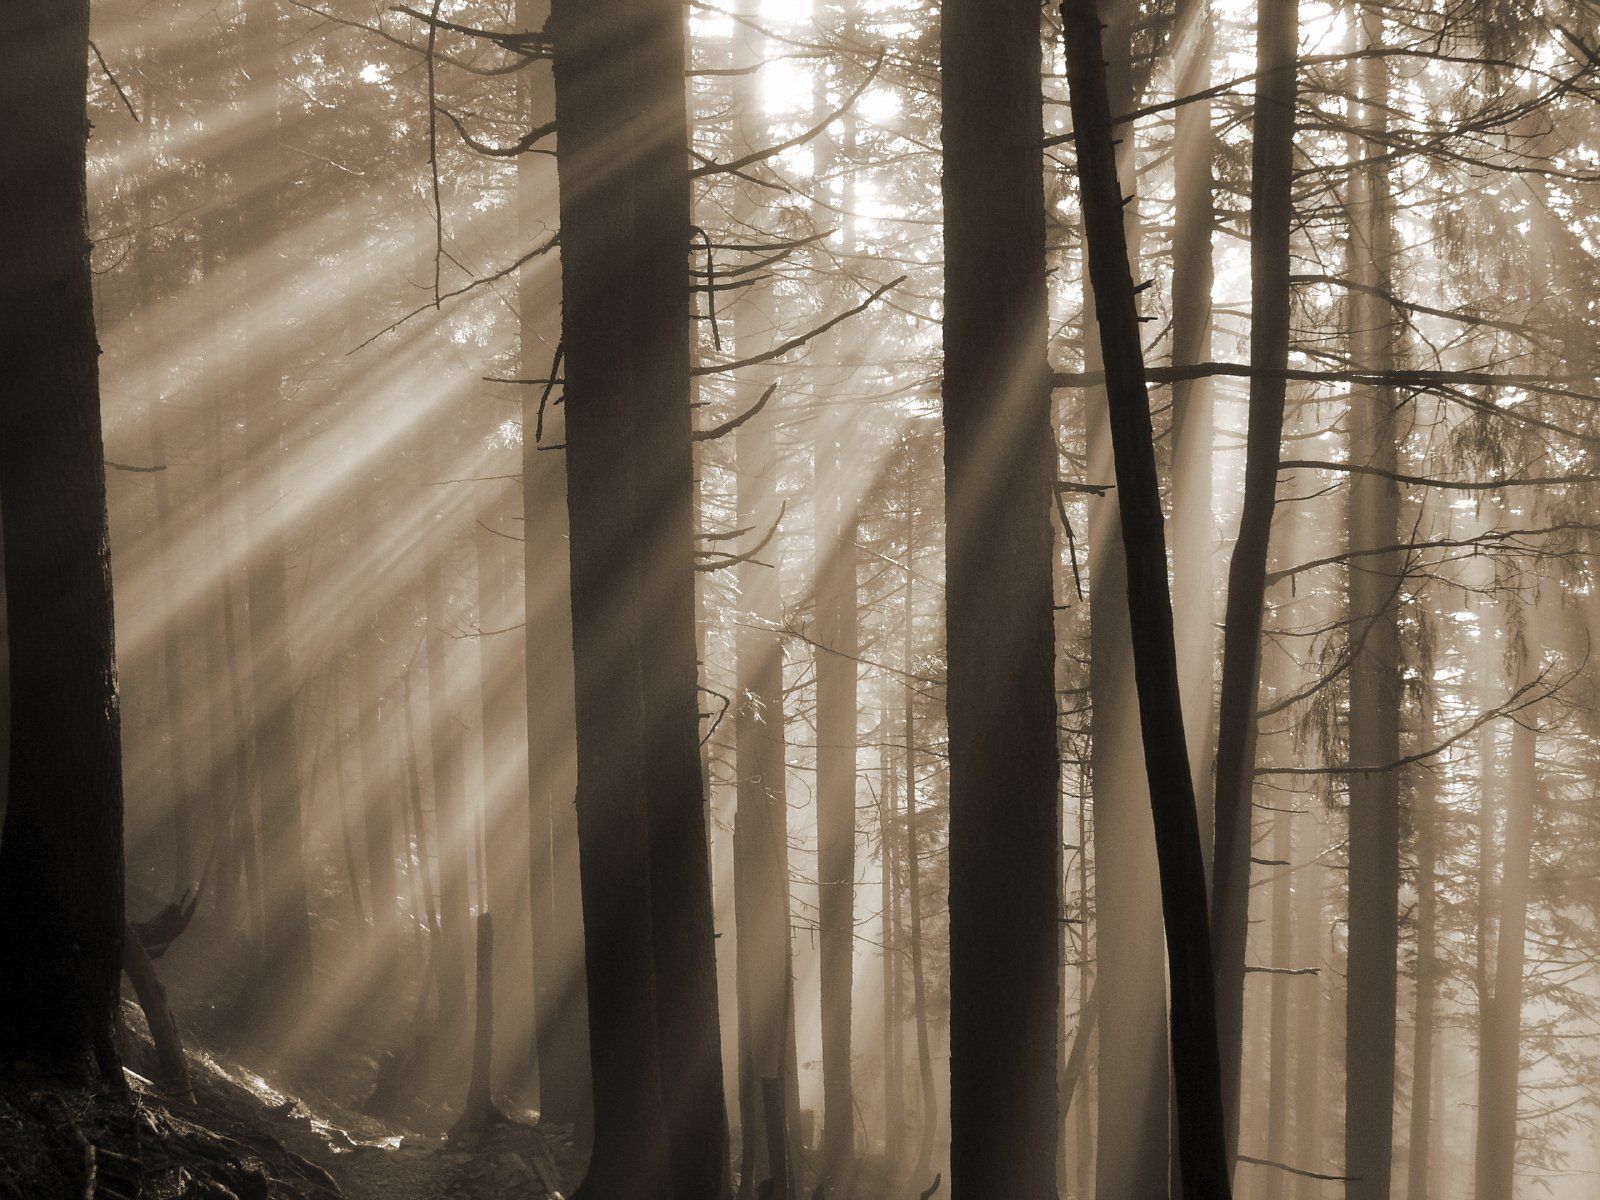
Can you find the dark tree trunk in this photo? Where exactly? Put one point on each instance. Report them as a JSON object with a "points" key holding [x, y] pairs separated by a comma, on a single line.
{"points": [[1133, 1069], [561, 1031], [1271, 209], [654, 1042], [1196, 1067], [1375, 661], [1005, 886], [61, 847]]}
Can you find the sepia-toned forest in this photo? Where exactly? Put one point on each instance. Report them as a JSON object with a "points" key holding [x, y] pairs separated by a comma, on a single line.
{"points": [[800, 600]]}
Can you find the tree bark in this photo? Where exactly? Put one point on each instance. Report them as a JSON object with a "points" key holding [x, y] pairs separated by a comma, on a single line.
{"points": [[1134, 1072], [1005, 885], [560, 1026], [61, 849], [644, 863], [1196, 1067], [1375, 663], [1271, 212]]}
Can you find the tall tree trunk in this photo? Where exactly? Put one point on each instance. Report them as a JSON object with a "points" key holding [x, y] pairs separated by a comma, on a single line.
{"points": [[1425, 817], [287, 949], [836, 626], [1134, 1114], [1310, 935], [177, 736], [1271, 210], [1375, 662], [1193, 531], [1196, 1066], [61, 848], [1278, 1000], [654, 1042], [560, 1028], [1005, 884], [1500, 1043]]}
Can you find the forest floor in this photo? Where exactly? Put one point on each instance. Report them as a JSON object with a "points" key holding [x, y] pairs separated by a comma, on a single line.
{"points": [[302, 1140]]}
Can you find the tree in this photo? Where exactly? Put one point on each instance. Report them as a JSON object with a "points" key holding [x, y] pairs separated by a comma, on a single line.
{"points": [[1196, 1069], [1005, 814], [61, 846], [1271, 213], [660, 1128]]}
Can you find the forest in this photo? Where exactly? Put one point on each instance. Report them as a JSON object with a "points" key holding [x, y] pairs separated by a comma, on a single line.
{"points": [[800, 600]]}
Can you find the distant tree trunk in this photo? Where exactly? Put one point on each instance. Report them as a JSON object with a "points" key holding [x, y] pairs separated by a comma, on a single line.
{"points": [[61, 847], [1193, 530], [377, 807], [1278, 1060], [1425, 817], [347, 839], [1310, 948], [894, 1088], [223, 737], [929, 1110], [1005, 885], [502, 691], [287, 948], [836, 626], [560, 1028], [1133, 1121], [1271, 212], [1375, 660], [1500, 1039], [1196, 1067], [654, 1042], [447, 760], [180, 799]]}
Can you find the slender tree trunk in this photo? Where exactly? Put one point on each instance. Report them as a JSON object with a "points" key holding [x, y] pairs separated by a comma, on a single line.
{"points": [[889, 894], [1500, 1045], [287, 949], [654, 1043], [383, 885], [1425, 817], [1005, 864], [1193, 530], [1375, 664], [61, 849], [929, 1110], [1282, 957], [180, 799], [1196, 1066], [1134, 1071], [836, 791], [1271, 211], [1310, 938]]}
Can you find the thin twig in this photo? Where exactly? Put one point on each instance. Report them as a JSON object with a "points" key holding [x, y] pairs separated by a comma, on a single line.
{"points": [[101, 58]]}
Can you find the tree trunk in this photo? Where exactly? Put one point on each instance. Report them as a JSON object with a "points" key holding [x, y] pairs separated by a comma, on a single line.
{"points": [[1500, 1043], [1196, 1067], [1193, 529], [1271, 211], [61, 848], [1375, 664], [1005, 863], [177, 735], [1425, 816], [560, 1027], [1134, 1073], [654, 1043]]}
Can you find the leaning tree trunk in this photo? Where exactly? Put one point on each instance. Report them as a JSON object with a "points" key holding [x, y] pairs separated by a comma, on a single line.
{"points": [[1133, 1087], [1196, 1067], [645, 871], [1005, 886], [1271, 209], [1375, 662], [61, 847]]}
